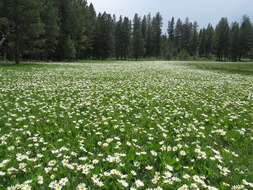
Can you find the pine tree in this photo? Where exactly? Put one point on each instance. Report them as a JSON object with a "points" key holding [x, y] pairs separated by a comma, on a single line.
{"points": [[27, 26], [194, 41], [235, 42], [103, 36], [78, 17], [90, 30], [5, 29], [126, 36], [246, 38], [209, 43], [171, 38], [65, 38], [4, 23], [165, 49], [144, 32], [171, 29], [112, 35], [50, 19], [138, 41], [222, 39], [119, 39], [206, 42], [186, 36], [202, 42], [178, 36], [156, 35], [148, 39]]}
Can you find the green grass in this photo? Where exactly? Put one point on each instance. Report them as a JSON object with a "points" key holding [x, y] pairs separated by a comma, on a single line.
{"points": [[244, 68], [121, 125]]}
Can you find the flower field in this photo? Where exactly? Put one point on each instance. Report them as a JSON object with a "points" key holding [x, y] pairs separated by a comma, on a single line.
{"points": [[126, 125]]}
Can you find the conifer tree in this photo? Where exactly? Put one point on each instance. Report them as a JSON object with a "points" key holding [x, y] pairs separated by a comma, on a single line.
{"points": [[90, 30], [66, 42], [202, 42], [186, 36], [178, 36], [138, 41], [103, 36], [50, 19], [126, 37], [209, 44], [235, 42], [144, 28], [194, 41], [148, 40], [156, 35], [119, 39], [222, 39], [24, 15], [246, 37], [171, 29]]}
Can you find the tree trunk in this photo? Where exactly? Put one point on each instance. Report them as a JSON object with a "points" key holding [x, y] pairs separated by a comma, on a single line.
{"points": [[2, 41], [17, 53], [17, 61], [17, 35]]}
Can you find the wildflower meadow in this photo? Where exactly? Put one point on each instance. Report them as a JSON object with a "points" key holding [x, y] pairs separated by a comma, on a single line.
{"points": [[126, 125]]}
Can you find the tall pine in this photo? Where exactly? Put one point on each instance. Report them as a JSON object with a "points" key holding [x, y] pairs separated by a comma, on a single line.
{"points": [[138, 41], [27, 27], [222, 41], [246, 37]]}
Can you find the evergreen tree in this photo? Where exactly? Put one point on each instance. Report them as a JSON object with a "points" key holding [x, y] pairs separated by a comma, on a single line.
{"points": [[156, 35], [186, 36], [202, 42], [119, 39], [235, 42], [24, 15], [144, 32], [126, 36], [178, 36], [90, 30], [112, 35], [50, 19], [209, 43], [103, 36], [194, 41], [138, 41], [246, 41], [65, 38], [78, 16], [148, 39], [5, 29], [171, 29], [4, 23], [165, 49], [222, 39], [171, 38]]}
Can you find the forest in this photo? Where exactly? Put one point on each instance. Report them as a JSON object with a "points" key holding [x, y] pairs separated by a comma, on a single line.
{"points": [[66, 30]]}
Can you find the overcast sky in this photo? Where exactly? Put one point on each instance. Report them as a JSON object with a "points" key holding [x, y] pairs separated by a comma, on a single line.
{"points": [[202, 11]]}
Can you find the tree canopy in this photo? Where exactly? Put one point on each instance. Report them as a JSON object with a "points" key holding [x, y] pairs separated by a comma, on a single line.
{"points": [[71, 30]]}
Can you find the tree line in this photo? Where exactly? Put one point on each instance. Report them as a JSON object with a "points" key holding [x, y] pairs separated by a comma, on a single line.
{"points": [[72, 30]]}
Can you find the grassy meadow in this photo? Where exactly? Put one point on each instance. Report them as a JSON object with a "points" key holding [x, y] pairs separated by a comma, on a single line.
{"points": [[126, 125]]}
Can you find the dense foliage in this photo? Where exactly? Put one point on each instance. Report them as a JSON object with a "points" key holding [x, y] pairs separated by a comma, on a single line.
{"points": [[71, 29]]}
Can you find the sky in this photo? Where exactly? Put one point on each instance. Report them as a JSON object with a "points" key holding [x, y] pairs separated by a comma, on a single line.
{"points": [[202, 11]]}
